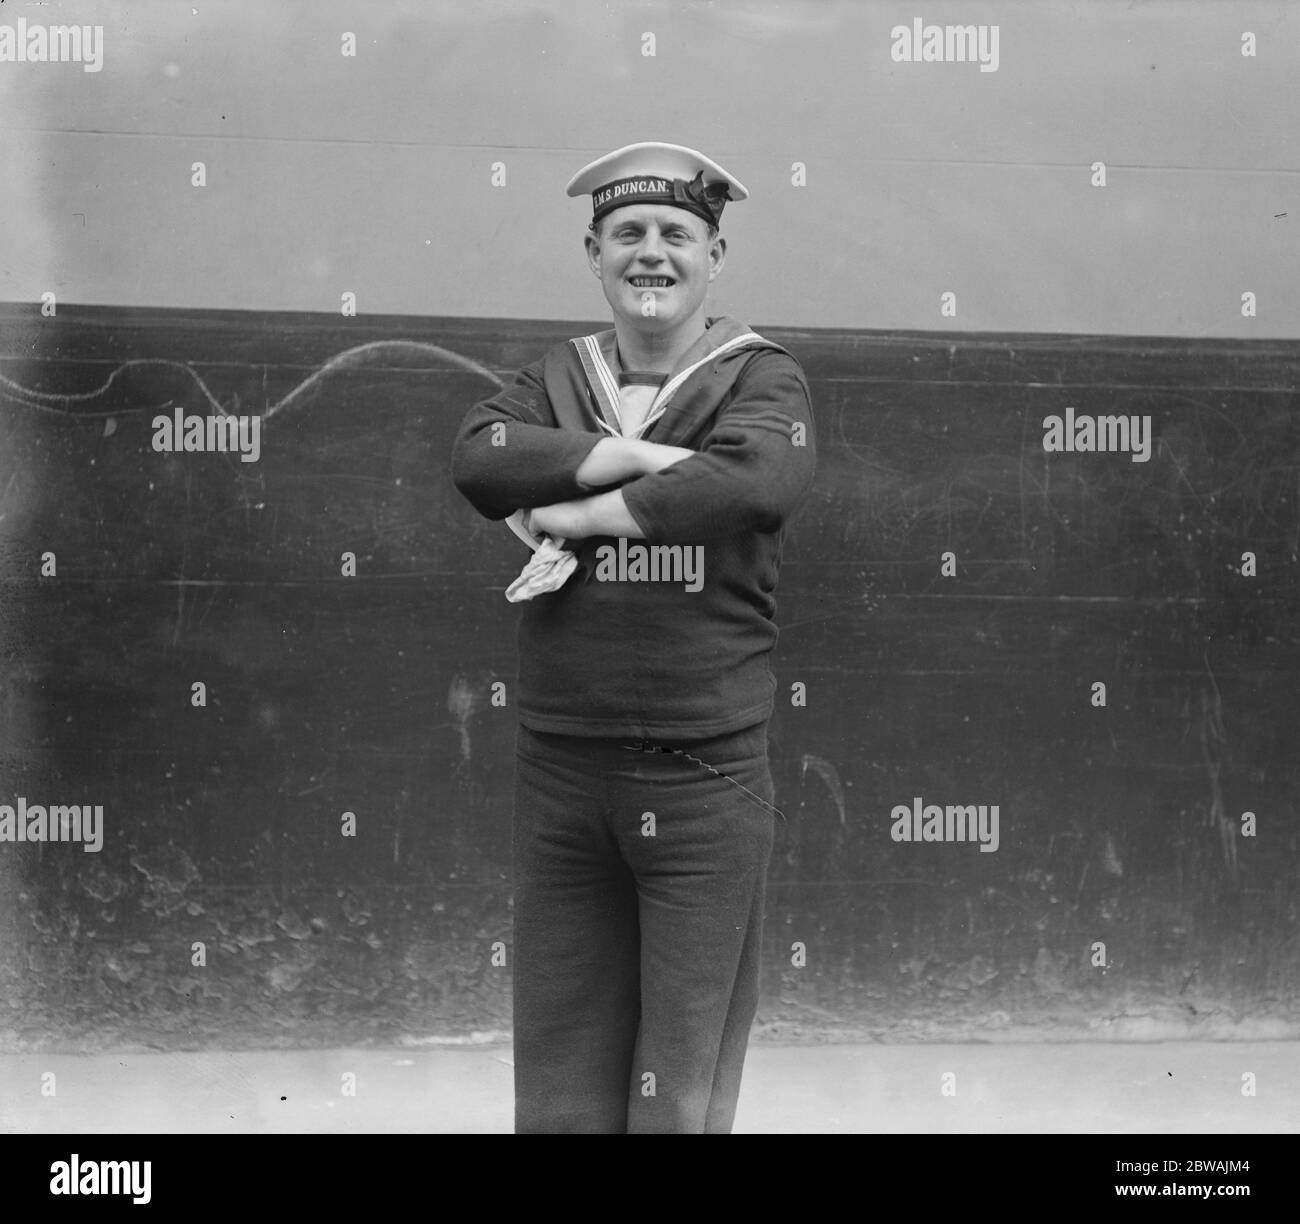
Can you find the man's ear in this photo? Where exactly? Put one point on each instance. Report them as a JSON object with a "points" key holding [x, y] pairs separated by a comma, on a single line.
{"points": [[717, 255], [593, 253]]}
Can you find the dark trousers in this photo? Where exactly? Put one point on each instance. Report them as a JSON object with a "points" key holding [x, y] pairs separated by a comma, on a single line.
{"points": [[639, 886]]}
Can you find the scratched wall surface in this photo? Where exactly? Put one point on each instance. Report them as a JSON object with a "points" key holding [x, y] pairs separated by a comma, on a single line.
{"points": [[369, 694]]}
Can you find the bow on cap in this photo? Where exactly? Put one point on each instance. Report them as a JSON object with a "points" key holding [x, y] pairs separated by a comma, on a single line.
{"points": [[706, 201]]}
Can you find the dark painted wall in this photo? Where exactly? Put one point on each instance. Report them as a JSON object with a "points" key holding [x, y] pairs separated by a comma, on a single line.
{"points": [[370, 694]]}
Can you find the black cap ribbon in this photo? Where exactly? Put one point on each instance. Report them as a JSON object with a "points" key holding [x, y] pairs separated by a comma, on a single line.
{"points": [[705, 201]]}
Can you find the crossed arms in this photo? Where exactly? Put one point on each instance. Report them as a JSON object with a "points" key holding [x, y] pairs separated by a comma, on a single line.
{"points": [[610, 461], [748, 473]]}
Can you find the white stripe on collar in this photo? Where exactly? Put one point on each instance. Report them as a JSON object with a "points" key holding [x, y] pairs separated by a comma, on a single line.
{"points": [[669, 389], [602, 382], [605, 386]]}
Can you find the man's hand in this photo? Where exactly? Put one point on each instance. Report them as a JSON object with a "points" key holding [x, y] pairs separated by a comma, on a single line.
{"points": [[613, 460], [563, 520], [660, 456], [606, 514]]}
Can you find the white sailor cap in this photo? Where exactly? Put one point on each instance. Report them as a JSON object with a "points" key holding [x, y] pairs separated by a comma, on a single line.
{"points": [[655, 173]]}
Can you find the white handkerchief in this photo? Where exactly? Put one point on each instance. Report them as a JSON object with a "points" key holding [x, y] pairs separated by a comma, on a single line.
{"points": [[547, 570]]}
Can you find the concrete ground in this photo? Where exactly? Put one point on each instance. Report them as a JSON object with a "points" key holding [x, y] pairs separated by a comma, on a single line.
{"points": [[1153, 1088]]}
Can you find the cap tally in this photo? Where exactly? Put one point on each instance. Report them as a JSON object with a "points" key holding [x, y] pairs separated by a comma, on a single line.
{"points": [[655, 173]]}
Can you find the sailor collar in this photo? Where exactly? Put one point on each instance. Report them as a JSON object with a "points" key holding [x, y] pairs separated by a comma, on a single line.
{"points": [[599, 355]]}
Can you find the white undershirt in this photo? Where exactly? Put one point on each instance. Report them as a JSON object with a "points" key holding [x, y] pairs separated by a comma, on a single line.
{"points": [[634, 402]]}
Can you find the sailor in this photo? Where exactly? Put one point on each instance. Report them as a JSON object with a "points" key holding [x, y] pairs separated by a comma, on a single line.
{"points": [[644, 804]]}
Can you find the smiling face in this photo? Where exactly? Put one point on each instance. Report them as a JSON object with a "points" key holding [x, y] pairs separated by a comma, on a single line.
{"points": [[660, 252]]}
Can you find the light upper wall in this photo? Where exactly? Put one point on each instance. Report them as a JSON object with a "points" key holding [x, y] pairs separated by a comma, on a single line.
{"points": [[373, 174]]}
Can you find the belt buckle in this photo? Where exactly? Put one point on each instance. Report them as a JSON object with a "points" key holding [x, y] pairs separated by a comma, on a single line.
{"points": [[643, 745]]}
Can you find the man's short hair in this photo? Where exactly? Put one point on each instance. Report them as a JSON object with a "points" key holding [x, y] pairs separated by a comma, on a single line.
{"points": [[596, 226]]}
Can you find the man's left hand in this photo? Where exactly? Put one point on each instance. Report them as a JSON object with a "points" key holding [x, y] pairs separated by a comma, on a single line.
{"points": [[604, 514], [563, 520]]}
